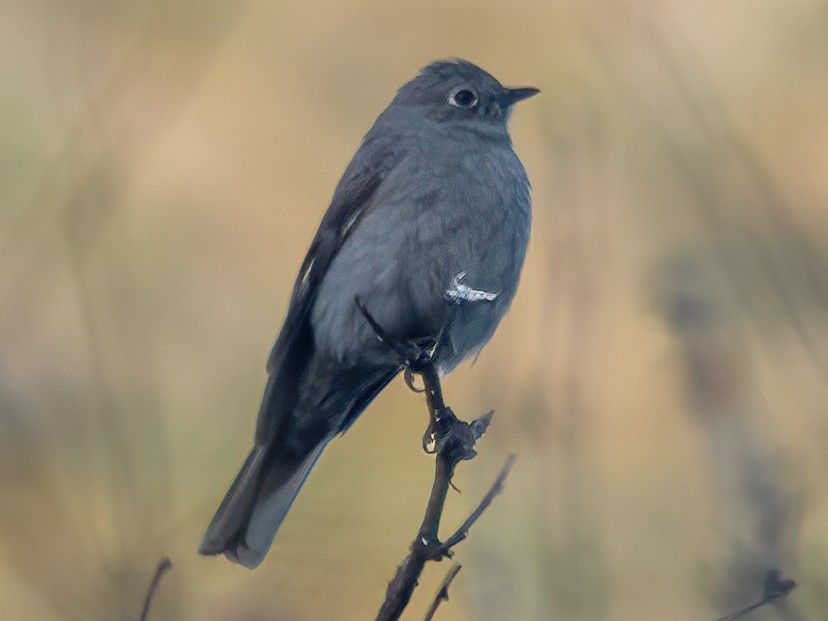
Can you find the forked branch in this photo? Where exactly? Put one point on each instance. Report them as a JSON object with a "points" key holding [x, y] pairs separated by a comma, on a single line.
{"points": [[451, 441]]}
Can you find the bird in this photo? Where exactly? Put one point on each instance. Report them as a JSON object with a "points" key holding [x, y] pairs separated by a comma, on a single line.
{"points": [[426, 234]]}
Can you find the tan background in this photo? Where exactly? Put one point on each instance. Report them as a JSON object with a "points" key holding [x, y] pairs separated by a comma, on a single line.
{"points": [[662, 374]]}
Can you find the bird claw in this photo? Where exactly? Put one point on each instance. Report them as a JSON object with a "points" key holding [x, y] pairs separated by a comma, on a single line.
{"points": [[415, 354], [430, 439], [408, 376], [446, 432]]}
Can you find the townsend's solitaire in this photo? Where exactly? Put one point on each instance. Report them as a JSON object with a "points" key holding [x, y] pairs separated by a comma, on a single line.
{"points": [[427, 229]]}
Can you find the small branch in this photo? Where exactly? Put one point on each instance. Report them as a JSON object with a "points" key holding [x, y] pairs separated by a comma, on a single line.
{"points": [[442, 592], [452, 441], [426, 545], [462, 532], [163, 565], [775, 587]]}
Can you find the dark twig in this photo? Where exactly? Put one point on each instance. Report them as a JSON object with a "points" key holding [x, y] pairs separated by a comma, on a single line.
{"points": [[461, 533], [452, 440], [775, 587], [163, 565], [426, 546], [442, 592]]}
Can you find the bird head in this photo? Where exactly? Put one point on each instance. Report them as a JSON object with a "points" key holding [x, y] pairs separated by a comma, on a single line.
{"points": [[457, 90]]}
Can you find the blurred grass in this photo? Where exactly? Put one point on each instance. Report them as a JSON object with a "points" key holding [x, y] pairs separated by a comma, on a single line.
{"points": [[662, 372]]}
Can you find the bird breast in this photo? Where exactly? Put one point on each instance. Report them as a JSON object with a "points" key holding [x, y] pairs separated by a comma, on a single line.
{"points": [[431, 220]]}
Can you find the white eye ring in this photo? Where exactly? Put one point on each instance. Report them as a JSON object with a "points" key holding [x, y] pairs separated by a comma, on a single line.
{"points": [[463, 98]]}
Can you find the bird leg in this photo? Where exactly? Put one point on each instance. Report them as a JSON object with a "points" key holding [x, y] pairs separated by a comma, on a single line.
{"points": [[417, 356], [451, 441], [446, 434], [408, 376]]}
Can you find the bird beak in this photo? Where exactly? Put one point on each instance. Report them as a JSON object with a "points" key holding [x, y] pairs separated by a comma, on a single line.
{"points": [[514, 95]]}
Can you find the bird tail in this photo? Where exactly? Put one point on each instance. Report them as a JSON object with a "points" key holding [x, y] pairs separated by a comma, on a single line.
{"points": [[258, 500]]}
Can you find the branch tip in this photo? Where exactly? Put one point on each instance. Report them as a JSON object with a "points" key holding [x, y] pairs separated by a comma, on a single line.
{"points": [[163, 565], [774, 588], [442, 591]]}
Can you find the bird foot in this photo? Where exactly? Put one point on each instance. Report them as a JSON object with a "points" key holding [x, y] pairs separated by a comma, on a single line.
{"points": [[408, 376], [416, 354], [447, 433]]}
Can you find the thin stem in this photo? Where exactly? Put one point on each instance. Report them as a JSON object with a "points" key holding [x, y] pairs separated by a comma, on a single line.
{"points": [[774, 588], [443, 471], [442, 592], [163, 565], [463, 531], [453, 442], [741, 613]]}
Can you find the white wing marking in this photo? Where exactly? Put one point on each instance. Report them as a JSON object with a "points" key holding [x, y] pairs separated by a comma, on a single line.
{"points": [[458, 292], [307, 273]]}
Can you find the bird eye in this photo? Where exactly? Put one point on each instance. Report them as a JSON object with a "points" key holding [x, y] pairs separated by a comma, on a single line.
{"points": [[464, 98]]}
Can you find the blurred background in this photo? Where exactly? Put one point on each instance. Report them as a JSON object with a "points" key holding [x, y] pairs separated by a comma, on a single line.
{"points": [[661, 376]]}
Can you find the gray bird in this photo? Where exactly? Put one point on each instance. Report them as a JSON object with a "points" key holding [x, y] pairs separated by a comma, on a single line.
{"points": [[427, 231]]}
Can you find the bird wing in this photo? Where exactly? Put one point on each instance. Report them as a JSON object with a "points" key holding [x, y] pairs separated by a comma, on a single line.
{"points": [[294, 345]]}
